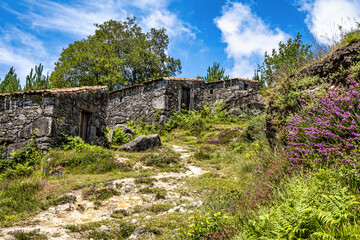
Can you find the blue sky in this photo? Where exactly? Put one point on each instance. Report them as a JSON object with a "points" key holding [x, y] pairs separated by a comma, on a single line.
{"points": [[234, 33]]}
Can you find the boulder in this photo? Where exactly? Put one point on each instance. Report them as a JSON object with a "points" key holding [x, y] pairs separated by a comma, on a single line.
{"points": [[128, 131], [142, 143]]}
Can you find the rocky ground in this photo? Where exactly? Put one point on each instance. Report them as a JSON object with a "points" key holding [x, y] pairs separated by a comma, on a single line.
{"points": [[133, 196]]}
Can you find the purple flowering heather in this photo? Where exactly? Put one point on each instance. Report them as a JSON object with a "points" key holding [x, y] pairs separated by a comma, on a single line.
{"points": [[327, 129]]}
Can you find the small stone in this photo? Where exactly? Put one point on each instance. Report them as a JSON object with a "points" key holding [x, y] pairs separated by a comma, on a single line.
{"points": [[104, 228]]}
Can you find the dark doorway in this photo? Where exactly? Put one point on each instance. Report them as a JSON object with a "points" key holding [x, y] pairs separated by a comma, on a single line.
{"points": [[84, 125], [185, 99]]}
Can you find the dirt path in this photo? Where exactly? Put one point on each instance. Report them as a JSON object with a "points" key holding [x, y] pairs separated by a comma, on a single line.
{"points": [[51, 222]]}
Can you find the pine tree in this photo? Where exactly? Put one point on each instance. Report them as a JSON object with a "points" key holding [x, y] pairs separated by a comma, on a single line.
{"points": [[11, 82], [37, 81], [214, 73]]}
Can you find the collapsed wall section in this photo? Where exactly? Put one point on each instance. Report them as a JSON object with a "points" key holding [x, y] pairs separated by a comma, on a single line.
{"points": [[49, 113]]}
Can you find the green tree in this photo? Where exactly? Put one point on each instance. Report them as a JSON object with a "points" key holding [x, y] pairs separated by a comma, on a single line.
{"points": [[118, 54], [214, 73], [36, 80], [285, 61], [11, 82]]}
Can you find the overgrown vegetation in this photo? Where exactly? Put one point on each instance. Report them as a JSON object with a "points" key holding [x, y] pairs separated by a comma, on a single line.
{"points": [[75, 156], [309, 187]]}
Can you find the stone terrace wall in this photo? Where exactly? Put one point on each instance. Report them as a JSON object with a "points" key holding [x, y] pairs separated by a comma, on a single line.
{"points": [[52, 112]]}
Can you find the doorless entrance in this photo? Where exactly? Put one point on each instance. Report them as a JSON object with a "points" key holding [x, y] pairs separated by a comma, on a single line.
{"points": [[84, 124], [185, 98]]}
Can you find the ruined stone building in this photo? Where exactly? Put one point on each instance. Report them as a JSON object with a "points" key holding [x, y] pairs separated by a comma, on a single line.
{"points": [[87, 111]]}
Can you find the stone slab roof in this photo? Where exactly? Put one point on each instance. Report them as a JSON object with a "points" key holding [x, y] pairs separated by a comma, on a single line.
{"points": [[177, 79], [240, 79], [75, 90], [58, 91]]}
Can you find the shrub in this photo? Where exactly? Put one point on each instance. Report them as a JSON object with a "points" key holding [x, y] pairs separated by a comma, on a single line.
{"points": [[120, 137], [141, 127], [22, 162], [254, 129], [197, 121], [212, 225], [326, 131], [79, 157]]}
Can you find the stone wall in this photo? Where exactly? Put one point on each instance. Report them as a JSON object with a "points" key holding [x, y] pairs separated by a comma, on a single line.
{"points": [[52, 112], [135, 102], [156, 99], [220, 91], [152, 101]]}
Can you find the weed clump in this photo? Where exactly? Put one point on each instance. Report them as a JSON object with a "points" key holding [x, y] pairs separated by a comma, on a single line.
{"points": [[22, 162], [94, 194], [79, 157], [160, 160], [32, 235]]}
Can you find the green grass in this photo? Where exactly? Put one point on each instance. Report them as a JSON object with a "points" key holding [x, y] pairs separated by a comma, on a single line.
{"points": [[32, 235]]}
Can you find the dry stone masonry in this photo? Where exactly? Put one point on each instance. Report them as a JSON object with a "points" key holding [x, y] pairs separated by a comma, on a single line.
{"points": [[87, 111], [49, 113]]}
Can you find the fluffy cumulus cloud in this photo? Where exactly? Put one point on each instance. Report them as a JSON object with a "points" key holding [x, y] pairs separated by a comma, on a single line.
{"points": [[173, 25], [42, 20], [21, 50], [325, 16], [247, 37]]}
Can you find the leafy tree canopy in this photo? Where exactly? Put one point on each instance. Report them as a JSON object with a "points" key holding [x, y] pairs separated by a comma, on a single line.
{"points": [[36, 80], [287, 60], [11, 82], [118, 54], [214, 73]]}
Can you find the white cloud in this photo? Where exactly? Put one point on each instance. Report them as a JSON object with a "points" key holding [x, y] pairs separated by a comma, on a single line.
{"points": [[21, 50], [325, 16], [149, 4], [173, 25], [247, 37], [77, 19]]}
